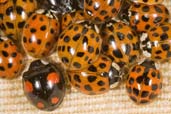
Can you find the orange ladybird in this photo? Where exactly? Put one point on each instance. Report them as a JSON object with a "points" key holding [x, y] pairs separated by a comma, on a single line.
{"points": [[144, 82], [97, 78], [143, 16], [13, 15], [40, 34], [11, 59]]}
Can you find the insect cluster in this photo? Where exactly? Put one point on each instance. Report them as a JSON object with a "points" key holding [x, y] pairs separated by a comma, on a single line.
{"points": [[98, 44]]}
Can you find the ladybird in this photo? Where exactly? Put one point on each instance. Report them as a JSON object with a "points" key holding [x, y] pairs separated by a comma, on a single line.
{"points": [[144, 16], [144, 82], [78, 46], [40, 33], [148, 1], [101, 10], [72, 17], [11, 59], [156, 43], [97, 78], [13, 14], [120, 43], [44, 85]]}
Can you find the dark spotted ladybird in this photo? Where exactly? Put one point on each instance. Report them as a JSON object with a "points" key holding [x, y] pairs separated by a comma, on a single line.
{"points": [[99, 77], [100, 11], [40, 33], [13, 14], [11, 59], [120, 43], [44, 85], [143, 16], [156, 44], [78, 46], [144, 82]]}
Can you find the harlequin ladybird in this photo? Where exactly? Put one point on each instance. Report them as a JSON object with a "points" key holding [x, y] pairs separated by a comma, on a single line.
{"points": [[97, 78], [72, 17], [11, 59], [144, 82], [40, 34], [120, 43], [13, 14], [156, 43], [144, 16], [148, 1], [44, 85], [101, 10], [78, 46]]}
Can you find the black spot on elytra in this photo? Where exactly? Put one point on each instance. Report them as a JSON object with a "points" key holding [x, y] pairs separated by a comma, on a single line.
{"points": [[117, 53], [154, 87], [9, 10], [131, 80], [80, 54], [76, 37], [145, 8], [102, 65], [130, 36], [103, 12], [66, 39], [77, 65], [43, 28], [92, 68], [139, 79], [90, 49], [135, 91], [65, 60], [153, 74], [2, 68], [144, 94], [10, 25], [165, 47], [19, 10], [145, 18], [158, 9], [100, 83], [155, 34], [88, 87], [120, 35], [21, 24], [157, 19], [4, 53], [39, 41], [91, 78], [164, 36], [14, 54], [32, 30], [165, 28], [147, 81], [10, 65], [77, 78]]}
